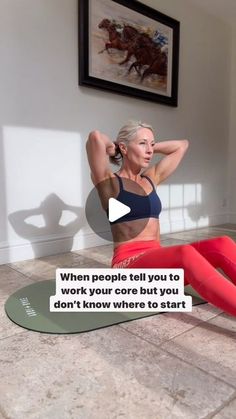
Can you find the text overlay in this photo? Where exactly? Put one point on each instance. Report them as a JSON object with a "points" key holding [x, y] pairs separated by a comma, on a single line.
{"points": [[86, 290]]}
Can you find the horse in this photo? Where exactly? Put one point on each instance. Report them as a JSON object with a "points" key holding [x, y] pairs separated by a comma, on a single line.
{"points": [[137, 39], [115, 37], [128, 39], [144, 56], [158, 66]]}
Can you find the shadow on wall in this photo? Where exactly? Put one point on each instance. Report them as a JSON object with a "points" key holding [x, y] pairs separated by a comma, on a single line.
{"points": [[52, 233]]}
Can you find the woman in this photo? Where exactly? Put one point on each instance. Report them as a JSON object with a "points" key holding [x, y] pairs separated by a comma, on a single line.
{"points": [[137, 234]]}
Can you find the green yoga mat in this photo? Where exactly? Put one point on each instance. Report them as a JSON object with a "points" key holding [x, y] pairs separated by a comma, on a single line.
{"points": [[29, 308]]}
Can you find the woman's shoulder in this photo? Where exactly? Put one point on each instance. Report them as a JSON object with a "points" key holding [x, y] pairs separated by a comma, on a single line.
{"points": [[150, 172]]}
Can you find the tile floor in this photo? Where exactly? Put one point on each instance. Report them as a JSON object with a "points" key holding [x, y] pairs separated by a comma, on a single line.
{"points": [[171, 365]]}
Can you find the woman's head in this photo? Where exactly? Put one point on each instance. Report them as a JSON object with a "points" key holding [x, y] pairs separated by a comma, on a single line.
{"points": [[134, 140]]}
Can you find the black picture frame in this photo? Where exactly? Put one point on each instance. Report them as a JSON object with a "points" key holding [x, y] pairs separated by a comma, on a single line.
{"points": [[129, 48]]}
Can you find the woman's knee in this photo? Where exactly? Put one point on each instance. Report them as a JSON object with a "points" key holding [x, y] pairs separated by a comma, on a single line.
{"points": [[187, 252], [223, 242]]}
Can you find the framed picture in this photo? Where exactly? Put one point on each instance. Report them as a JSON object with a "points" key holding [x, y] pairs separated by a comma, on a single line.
{"points": [[129, 48]]}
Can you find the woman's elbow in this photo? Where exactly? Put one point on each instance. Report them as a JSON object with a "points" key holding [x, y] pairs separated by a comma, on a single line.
{"points": [[93, 135], [92, 138], [185, 144]]}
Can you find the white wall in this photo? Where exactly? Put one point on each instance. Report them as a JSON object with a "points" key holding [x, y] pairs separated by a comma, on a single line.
{"points": [[232, 143], [45, 118]]}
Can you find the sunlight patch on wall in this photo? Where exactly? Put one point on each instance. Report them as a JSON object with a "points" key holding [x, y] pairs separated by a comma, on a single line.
{"points": [[182, 207], [43, 179]]}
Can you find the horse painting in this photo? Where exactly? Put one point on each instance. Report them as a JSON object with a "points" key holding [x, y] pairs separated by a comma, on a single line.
{"points": [[148, 55]]}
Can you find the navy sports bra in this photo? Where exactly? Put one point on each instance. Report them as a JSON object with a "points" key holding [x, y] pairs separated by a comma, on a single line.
{"points": [[148, 206]]}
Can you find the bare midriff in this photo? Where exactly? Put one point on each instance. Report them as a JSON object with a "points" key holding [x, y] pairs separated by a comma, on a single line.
{"points": [[126, 232]]}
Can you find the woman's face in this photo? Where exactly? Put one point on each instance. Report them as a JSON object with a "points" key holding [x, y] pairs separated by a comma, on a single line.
{"points": [[139, 151]]}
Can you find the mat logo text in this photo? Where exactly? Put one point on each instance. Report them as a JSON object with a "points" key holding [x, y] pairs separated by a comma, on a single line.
{"points": [[28, 309]]}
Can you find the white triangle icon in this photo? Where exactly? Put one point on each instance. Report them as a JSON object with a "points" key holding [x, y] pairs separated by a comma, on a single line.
{"points": [[116, 209]]}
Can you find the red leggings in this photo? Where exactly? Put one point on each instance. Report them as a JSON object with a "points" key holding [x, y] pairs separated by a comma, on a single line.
{"points": [[198, 259]]}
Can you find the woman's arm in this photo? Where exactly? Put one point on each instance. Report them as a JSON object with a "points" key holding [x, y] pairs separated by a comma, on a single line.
{"points": [[170, 146], [99, 147], [174, 151]]}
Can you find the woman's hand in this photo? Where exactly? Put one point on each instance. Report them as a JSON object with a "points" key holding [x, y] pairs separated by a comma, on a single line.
{"points": [[111, 149]]}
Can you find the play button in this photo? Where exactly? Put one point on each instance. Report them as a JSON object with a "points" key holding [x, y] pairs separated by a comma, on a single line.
{"points": [[101, 212], [116, 209]]}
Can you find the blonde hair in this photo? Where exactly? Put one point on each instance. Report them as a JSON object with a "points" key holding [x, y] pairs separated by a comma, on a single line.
{"points": [[127, 133]]}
